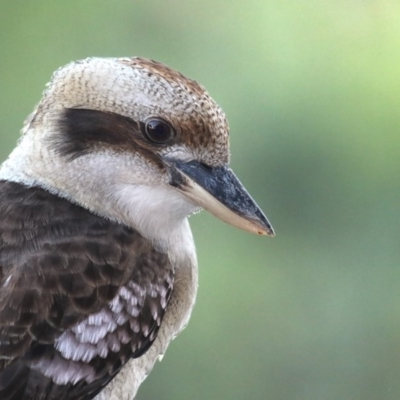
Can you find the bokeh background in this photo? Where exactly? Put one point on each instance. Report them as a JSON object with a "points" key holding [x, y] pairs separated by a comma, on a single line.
{"points": [[312, 92]]}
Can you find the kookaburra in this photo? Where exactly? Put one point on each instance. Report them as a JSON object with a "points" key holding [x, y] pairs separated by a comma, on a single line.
{"points": [[98, 268]]}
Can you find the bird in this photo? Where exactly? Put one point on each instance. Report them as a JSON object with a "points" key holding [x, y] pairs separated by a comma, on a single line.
{"points": [[98, 267]]}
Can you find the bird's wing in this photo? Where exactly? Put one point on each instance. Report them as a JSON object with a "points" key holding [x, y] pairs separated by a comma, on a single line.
{"points": [[79, 296]]}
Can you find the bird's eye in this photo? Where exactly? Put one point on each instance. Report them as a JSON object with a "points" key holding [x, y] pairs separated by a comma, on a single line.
{"points": [[158, 131]]}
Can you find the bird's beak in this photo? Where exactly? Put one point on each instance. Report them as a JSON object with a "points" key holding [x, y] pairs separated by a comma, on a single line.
{"points": [[220, 192]]}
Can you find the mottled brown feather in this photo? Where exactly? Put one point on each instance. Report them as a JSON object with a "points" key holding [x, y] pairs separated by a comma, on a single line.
{"points": [[200, 123], [59, 264], [167, 73]]}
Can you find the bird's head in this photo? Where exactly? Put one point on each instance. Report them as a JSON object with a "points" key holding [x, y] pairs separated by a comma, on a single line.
{"points": [[135, 141]]}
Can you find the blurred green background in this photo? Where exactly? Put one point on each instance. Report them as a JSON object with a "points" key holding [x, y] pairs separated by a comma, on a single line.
{"points": [[312, 92]]}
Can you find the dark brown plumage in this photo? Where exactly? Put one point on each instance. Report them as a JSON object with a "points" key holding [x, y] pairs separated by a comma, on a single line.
{"points": [[73, 263], [82, 131]]}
